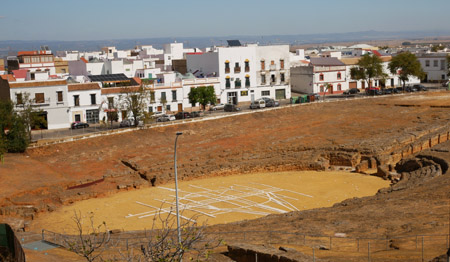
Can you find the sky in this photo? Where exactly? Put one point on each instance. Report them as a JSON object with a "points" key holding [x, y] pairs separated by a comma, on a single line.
{"points": [[69, 20]]}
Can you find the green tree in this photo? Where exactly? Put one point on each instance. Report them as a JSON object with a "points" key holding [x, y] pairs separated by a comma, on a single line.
{"points": [[448, 65], [134, 100], [193, 96], [203, 95], [369, 67], [406, 65], [13, 132], [17, 135], [31, 117]]}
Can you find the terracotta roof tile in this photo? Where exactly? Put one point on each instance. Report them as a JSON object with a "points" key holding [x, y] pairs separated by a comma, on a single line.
{"points": [[84, 60], [9, 78], [21, 73], [81, 87], [36, 84], [118, 90], [138, 80]]}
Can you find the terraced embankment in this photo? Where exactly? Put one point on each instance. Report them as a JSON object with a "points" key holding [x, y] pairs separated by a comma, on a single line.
{"points": [[364, 133]]}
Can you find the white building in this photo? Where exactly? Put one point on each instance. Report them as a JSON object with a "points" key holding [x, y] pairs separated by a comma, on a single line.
{"points": [[84, 102], [435, 66], [49, 96], [321, 71], [246, 72]]}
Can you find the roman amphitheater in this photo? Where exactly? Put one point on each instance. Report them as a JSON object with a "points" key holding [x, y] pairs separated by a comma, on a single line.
{"points": [[331, 181]]}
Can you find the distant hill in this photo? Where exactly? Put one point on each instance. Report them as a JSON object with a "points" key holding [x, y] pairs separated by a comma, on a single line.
{"points": [[10, 47]]}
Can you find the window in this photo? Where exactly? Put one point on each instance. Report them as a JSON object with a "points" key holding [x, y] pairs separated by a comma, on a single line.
{"points": [[282, 78], [321, 88], [263, 65], [227, 67], [272, 62], [281, 64], [76, 100], [247, 81], [93, 99], [32, 75], [150, 109], [427, 63], [244, 93], [247, 66], [59, 96], [227, 83], [265, 93], [237, 68], [442, 64], [174, 95], [163, 97], [339, 87], [273, 79], [152, 97], [77, 118], [110, 102], [39, 98], [443, 77], [237, 83], [26, 60], [19, 98], [168, 107], [263, 79], [339, 76], [321, 77], [435, 63]]}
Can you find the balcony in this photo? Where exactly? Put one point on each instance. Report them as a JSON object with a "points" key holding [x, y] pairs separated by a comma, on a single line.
{"points": [[237, 69]]}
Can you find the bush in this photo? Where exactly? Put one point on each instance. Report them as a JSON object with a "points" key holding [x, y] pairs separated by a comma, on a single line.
{"points": [[17, 136]]}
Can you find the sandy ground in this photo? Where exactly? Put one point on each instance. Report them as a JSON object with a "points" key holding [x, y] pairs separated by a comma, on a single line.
{"points": [[218, 200]]}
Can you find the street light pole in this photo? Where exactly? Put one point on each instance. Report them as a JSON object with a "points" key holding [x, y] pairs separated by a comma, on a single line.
{"points": [[176, 189]]}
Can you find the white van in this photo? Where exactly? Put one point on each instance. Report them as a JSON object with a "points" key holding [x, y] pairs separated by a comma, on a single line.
{"points": [[260, 103]]}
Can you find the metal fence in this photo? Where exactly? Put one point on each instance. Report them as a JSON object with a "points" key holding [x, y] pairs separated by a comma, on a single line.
{"points": [[406, 248]]}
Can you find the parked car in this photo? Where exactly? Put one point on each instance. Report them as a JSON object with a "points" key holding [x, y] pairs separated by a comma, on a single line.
{"points": [[316, 96], [231, 108], [259, 103], [157, 114], [130, 122], [420, 87], [183, 115], [217, 107], [387, 91], [351, 91], [165, 118], [270, 102], [411, 89], [76, 125], [127, 123], [197, 114], [373, 91]]}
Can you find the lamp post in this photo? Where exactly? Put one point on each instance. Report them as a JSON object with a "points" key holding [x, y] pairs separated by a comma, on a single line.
{"points": [[176, 189]]}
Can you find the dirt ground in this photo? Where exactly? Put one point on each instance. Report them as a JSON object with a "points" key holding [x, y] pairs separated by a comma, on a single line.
{"points": [[302, 190], [316, 136]]}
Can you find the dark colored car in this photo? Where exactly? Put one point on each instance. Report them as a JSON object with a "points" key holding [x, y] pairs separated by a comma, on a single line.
{"points": [[351, 91], [387, 91], [270, 102], [411, 89], [76, 125], [374, 92], [420, 87], [197, 114], [183, 115], [231, 108]]}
